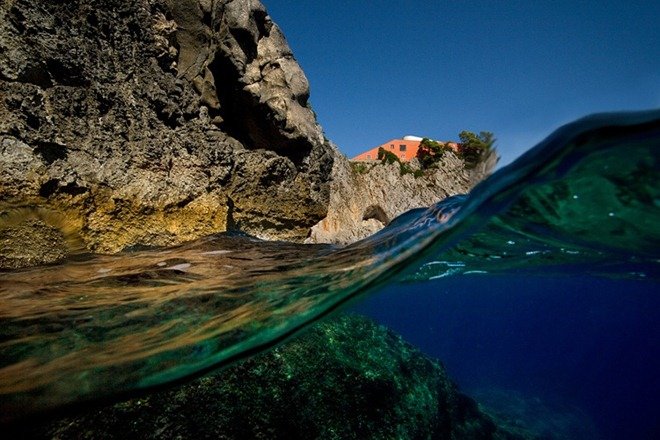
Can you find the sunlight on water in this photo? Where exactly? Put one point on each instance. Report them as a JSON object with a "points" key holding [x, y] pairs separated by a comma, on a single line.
{"points": [[585, 200]]}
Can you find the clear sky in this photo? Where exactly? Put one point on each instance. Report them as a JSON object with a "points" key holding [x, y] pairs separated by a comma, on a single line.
{"points": [[383, 69]]}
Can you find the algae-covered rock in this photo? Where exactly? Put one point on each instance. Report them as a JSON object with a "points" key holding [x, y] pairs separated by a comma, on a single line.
{"points": [[346, 378], [157, 121]]}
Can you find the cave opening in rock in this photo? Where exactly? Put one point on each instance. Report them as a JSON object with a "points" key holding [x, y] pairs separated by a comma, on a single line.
{"points": [[251, 123], [377, 213]]}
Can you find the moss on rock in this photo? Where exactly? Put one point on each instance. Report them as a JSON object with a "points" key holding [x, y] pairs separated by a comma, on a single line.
{"points": [[346, 378]]}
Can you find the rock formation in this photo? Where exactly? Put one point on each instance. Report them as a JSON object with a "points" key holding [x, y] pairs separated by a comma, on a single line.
{"points": [[365, 197], [343, 379], [155, 122]]}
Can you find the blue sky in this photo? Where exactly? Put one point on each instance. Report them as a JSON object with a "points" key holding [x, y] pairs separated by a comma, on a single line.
{"points": [[382, 69]]}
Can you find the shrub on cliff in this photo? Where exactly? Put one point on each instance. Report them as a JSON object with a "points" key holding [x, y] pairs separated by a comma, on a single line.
{"points": [[430, 152], [474, 147], [387, 157]]}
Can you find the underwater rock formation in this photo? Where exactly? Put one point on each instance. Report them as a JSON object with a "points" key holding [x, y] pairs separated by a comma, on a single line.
{"points": [[523, 414], [346, 378], [157, 121]]}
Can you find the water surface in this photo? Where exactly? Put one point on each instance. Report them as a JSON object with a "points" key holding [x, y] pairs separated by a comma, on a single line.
{"points": [[584, 202]]}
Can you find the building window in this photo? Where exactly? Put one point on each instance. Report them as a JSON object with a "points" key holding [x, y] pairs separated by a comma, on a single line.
{"points": [[368, 156], [392, 146], [402, 147]]}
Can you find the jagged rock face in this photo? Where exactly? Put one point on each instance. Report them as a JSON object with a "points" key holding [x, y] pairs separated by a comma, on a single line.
{"points": [[157, 121], [363, 202]]}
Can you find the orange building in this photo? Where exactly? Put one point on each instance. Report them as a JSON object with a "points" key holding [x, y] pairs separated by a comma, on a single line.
{"points": [[405, 149]]}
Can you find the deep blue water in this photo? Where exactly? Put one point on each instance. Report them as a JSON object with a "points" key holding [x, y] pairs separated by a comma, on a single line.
{"points": [[579, 341]]}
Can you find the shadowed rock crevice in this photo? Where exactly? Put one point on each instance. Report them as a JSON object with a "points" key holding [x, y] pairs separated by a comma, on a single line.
{"points": [[232, 111], [377, 213], [37, 75], [263, 22], [66, 73], [48, 188], [50, 152], [246, 42], [247, 118]]}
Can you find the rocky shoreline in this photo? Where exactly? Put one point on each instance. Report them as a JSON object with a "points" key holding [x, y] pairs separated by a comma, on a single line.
{"points": [[155, 122], [365, 197]]}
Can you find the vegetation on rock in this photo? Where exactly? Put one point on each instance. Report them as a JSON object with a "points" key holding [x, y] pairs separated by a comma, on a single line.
{"points": [[475, 147], [472, 149], [360, 167], [345, 378], [387, 157], [430, 152]]}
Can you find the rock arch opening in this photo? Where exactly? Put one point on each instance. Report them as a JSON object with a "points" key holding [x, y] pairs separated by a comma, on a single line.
{"points": [[376, 212]]}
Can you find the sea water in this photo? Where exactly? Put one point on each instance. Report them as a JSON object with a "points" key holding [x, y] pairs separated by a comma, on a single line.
{"points": [[538, 290], [575, 357]]}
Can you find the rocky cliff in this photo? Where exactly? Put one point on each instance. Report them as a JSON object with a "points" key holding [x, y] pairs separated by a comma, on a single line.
{"points": [[365, 197], [154, 122]]}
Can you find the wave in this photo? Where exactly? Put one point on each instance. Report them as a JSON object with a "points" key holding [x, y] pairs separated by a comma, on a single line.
{"points": [[585, 200]]}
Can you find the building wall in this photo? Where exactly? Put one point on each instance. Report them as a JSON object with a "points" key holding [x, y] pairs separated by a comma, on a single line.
{"points": [[404, 149]]}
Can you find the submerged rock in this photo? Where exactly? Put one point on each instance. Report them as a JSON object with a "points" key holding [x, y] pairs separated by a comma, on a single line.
{"points": [[157, 121], [346, 378], [523, 414]]}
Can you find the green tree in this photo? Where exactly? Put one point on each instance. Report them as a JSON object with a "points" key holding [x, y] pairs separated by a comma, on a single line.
{"points": [[474, 147], [387, 156], [429, 152]]}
